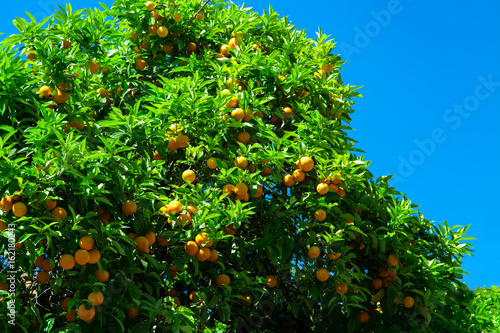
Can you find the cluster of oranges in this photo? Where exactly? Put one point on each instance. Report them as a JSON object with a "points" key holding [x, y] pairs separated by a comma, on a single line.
{"points": [[200, 248], [7, 203], [160, 29], [175, 207]]}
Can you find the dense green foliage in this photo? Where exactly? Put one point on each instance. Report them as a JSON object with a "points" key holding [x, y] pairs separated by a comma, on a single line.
{"points": [[106, 110]]}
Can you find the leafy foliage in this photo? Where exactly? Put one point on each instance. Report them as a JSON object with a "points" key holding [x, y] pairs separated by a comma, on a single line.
{"points": [[106, 110]]}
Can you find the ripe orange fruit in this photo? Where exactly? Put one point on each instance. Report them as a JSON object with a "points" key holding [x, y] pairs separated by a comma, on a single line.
{"points": [[155, 15], [39, 261], [140, 64], [298, 175], [59, 213], [95, 255], [341, 191], [64, 303], [168, 49], [334, 256], [142, 244], [224, 50], [333, 187], [272, 281], [177, 17], [306, 164], [150, 5], [258, 191], [341, 287], [165, 209], [240, 189], [243, 137], [96, 297], [188, 175], [129, 207], [288, 180], [258, 114], [200, 16], [237, 34], [19, 209], [102, 92], [4, 286], [363, 316], [162, 32], [45, 91], [233, 42], [248, 115], [193, 297], [67, 261], [222, 279], [247, 301], [191, 248], [322, 188], [212, 163], [377, 283], [191, 47], [191, 209], [237, 114], [151, 237], [288, 112], [175, 207], [266, 171], [93, 67], [244, 197], [230, 230], [327, 68], [60, 97], [313, 252], [203, 254], [322, 274], [46, 265], [31, 56], [78, 125], [383, 272], [132, 313], [162, 241], [51, 204], [320, 215], [182, 141], [102, 276], [203, 239], [70, 316], [82, 257], [241, 162], [186, 218], [408, 301], [336, 180], [86, 243], [85, 314], [6, 203], [172, 144], [43, 277], [214, 255], [392, 260]]}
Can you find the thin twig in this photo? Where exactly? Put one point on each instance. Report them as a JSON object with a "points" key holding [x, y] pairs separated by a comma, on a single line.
{"points": [[192, 17]]}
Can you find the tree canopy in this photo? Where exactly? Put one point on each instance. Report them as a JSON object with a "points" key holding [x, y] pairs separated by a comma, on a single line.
{"points": [[187, 166]]}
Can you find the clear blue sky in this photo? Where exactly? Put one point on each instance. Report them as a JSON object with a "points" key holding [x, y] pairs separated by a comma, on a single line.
{"points": [[431, 107]]}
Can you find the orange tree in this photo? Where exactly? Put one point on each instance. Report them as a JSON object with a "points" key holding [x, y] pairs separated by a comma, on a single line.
{"points": [[186, 166]]}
